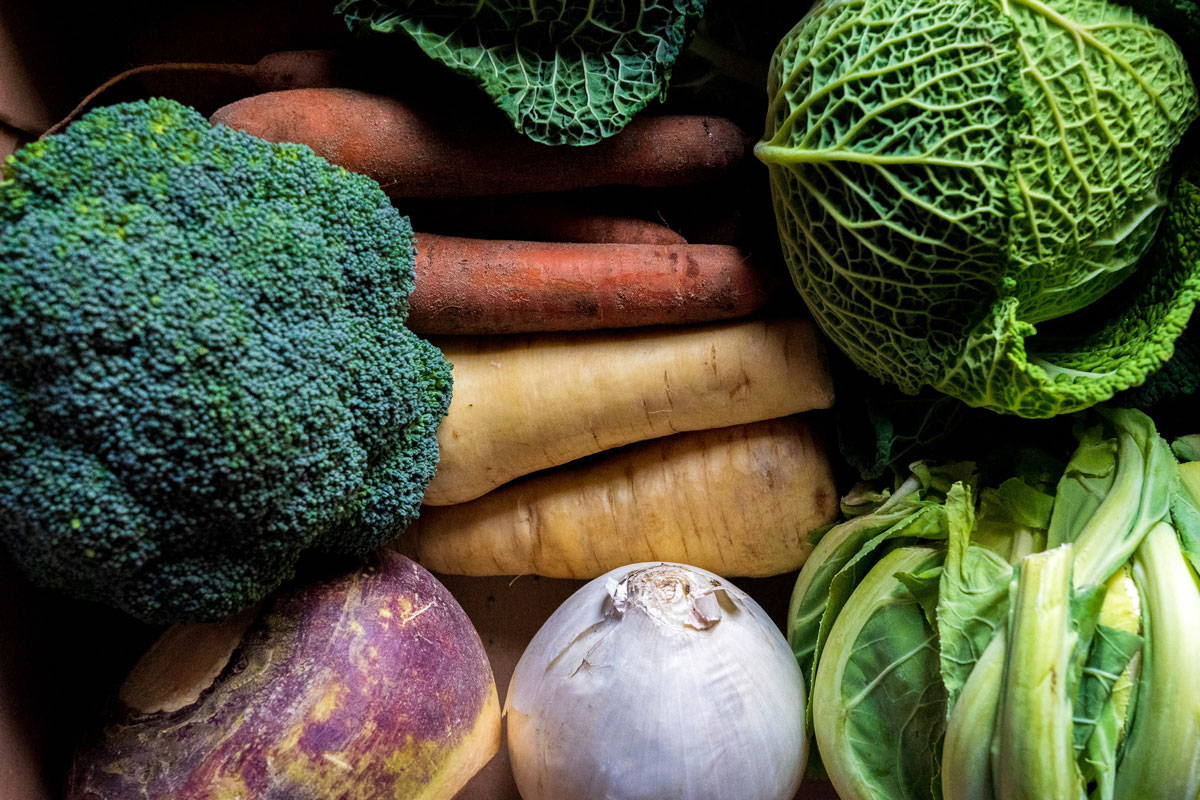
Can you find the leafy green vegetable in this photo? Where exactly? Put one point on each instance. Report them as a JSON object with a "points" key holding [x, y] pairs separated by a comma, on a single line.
{"points": [[1033, 755], [1053, 633], [1180, 18], [952, 177], [1142, 474], [843, 555], [1160, 757], [565, 72], [971, 727], [1178, 243], [1098, 722], [972, 602], [882, 678]]}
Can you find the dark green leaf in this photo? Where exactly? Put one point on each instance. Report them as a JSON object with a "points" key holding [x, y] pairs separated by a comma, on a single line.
{"points": [[565, 72]]}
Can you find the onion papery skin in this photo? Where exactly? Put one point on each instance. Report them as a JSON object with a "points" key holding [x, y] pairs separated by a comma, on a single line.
{"points": [[623, 697]]}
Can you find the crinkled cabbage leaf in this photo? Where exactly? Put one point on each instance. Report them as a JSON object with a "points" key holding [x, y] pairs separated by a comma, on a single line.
{"points": [[952, 177], [565, 72]]}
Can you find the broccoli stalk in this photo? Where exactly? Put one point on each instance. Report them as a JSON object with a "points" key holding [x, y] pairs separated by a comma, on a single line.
{"points": [[207, 371]]}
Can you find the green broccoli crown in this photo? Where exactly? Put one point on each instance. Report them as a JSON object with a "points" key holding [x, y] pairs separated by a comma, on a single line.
{"points": [[207, 371]]}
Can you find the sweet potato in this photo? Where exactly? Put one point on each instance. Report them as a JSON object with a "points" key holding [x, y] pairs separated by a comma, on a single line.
{"points": [[287, 69], [483, 286], [739, 501], [372, 684], [415, 155], [525, 403]]}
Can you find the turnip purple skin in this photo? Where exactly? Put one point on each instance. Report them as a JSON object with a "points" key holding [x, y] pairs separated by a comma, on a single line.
{"points": [[372, 685]]}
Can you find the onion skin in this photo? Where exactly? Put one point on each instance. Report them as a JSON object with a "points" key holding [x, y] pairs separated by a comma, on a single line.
{"points": [[371, 685], [657, 681]]}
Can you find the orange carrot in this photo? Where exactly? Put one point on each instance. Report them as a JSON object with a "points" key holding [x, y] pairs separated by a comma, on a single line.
{"points": [[553, 219], [484, 286], [565, 226], [417, 155]]}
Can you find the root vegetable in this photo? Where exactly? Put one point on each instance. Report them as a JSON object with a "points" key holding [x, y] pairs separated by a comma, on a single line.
{"points": [[525, 403], [550, 220], [482, 286], [371, 685], [414, 155], [567, 226], [287, 69], [740, 501]]}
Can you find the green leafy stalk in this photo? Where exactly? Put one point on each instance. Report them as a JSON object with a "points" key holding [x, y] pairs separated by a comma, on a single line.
{"points": [[967, 751], [1105, 702], [1185, 512], [1161, 758], [1100, 705], [973, 597], [1060, 673], [1138, 498], [834, 548], [1013, 519], [1034, 756]]}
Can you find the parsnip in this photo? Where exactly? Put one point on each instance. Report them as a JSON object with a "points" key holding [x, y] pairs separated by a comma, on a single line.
{"points": [[526, 403], [739, 501]]}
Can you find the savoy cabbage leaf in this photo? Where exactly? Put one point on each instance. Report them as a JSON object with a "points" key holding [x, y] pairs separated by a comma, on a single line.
{"points": [[564, 71], [1180, 18], [1179, 245], [954, 180]]}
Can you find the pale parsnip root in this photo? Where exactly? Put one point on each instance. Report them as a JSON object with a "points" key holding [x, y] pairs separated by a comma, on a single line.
{"points": [[739, 501], [527, 403]]}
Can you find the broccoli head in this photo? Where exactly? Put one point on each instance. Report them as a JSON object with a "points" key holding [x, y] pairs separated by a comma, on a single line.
{"points": [[206, 368]]}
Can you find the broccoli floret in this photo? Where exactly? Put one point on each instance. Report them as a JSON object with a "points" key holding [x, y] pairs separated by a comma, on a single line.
{"points": [[206, 370]]}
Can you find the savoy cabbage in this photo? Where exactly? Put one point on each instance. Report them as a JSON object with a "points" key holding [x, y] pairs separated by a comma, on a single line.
{"points": [[952, 177], [564, 71]]}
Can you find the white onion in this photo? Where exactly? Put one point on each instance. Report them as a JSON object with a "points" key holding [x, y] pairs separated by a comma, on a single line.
{"points": [[657, 682]]}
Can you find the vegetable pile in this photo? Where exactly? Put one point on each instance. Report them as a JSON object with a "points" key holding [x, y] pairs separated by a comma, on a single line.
{"points": [[1024, 640], [216, 384], [216, 404], [960, 183]]}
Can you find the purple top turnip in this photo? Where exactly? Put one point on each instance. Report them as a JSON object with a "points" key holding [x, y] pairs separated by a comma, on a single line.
{"points": [[370, 685]]}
